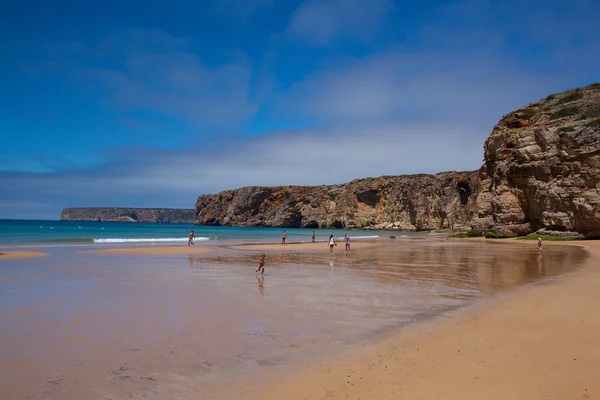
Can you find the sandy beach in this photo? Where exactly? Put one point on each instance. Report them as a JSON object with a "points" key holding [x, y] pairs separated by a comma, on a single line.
{"points": [[538, 342], [8, 255], [391, 319]]}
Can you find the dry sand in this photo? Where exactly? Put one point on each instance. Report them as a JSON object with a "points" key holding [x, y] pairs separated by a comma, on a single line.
{"points": [[155, 251], [537, 342], [6, 255]]}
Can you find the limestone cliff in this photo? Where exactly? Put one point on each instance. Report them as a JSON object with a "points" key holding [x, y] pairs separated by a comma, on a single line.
{"points": [[163, 215], [541, 170], [542, 167], [413, 202]]}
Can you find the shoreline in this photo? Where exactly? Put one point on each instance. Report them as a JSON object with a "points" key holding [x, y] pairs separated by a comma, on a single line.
{"points": [[535, 342], [11, 255]]}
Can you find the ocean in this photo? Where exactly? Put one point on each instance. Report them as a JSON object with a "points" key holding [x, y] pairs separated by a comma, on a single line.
{"points": [[41, 232]]}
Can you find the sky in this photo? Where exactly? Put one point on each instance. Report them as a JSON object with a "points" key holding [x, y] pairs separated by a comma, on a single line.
{"points": [[151, 104]]}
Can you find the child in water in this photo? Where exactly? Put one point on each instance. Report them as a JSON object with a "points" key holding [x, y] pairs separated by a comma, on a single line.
{"points": [[539, 243], [261, 264]]}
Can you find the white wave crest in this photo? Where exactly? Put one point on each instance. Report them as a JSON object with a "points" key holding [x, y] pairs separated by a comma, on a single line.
{"points": [[147, 240]]}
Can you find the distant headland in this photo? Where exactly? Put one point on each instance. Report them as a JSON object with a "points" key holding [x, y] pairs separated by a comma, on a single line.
{"points": [[111, 214]]}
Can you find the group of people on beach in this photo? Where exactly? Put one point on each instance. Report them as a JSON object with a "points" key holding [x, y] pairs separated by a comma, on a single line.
{"points": [[331, 241]]}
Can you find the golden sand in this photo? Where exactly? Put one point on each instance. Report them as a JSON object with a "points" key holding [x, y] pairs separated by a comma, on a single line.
{"points": [[6, 255], [537, 342], [155, 251]]}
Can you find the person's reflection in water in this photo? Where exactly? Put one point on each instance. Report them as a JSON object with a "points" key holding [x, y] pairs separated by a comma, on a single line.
{"points": [[261, 284], [191, 261], [346, 261], [540, 263], [331, 264]]}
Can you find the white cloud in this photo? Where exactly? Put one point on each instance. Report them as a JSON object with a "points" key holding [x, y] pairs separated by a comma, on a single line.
{"points": [[321, 21], [160, 178]]}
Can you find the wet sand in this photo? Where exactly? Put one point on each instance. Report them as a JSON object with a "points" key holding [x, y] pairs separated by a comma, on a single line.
{"points": [[83, 325], [317, 246], [154, 251], [8, 255], [537, 342]]}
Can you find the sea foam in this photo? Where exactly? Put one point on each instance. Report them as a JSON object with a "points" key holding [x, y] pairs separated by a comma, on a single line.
{"points": [[147, 240]]}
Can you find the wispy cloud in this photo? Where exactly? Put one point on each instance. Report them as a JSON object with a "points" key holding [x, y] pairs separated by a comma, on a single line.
{"points": [[321, 21], [159, 178]]}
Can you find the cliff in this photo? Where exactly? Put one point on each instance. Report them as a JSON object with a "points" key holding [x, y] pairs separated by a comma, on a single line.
{"points": [[413, 202], [163, 215], [542, 167], [541, 170]]}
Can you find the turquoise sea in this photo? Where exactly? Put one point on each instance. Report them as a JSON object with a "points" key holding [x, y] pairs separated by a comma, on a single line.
{"points": [[40, 232]]}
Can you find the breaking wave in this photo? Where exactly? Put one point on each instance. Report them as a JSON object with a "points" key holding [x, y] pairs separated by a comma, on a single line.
{"points": [[147, 240]]}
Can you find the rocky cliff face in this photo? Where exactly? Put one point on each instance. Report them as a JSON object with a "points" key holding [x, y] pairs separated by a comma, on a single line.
{"points": [[541, 170], [542, 167], [416, 202], [163, 215]]}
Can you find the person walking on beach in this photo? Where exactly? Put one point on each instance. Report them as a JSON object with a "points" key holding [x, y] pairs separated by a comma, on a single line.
{"points": [[261, 264], [331, 244], [191, 238], [539, 243], [347, 241], [313, 236], [283, 235]]}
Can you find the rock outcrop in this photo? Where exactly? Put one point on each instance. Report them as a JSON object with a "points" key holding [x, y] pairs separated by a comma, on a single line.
{"points": [[542, 168], [412, 202], [162, 215]]}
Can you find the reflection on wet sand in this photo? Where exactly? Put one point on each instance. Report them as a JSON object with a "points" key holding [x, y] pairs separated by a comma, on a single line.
{"points": [[261, 284], [167, 327]]}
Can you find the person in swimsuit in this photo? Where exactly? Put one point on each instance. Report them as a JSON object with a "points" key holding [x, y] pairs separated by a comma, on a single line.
{"points": [[347, 241], [313, 236], [191, 238], [283, 235], [331, 244], [261, 264], [539, 243]]}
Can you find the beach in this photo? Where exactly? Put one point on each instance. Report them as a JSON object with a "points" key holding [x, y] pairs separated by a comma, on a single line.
{"points": [[537, 342], [414, 319]]}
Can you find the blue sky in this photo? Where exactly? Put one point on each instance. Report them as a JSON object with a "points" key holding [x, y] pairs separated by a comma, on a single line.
{"points": [[150, 104]]}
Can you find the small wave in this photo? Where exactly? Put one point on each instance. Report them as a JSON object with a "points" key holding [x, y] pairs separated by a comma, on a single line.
{"points": [[147, 240]]}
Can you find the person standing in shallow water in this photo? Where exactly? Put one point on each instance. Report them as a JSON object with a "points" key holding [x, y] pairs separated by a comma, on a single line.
{"points": [[283, 236], [261, 264], [347, 241], [191, 238], [331, 244], [539, 243], [313, 236]]}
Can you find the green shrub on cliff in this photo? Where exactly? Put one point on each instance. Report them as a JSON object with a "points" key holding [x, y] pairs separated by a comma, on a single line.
{"points": [[534, 236], [592, 112], [572, 97], [594, 123], [492, 235], [564, 112], [469, 234]]}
